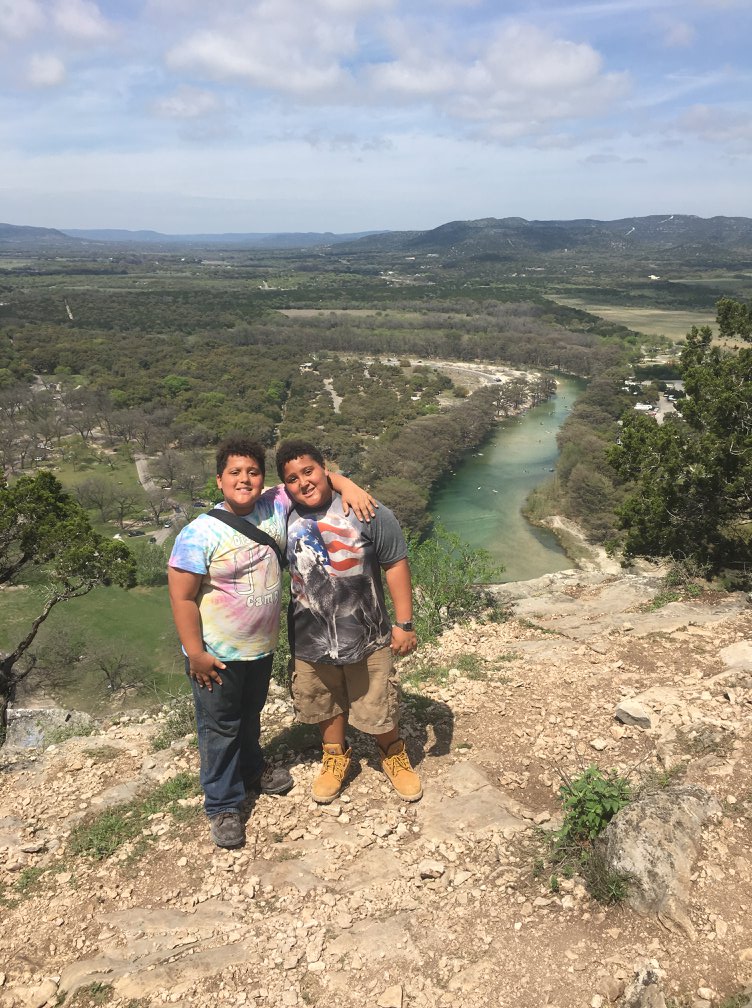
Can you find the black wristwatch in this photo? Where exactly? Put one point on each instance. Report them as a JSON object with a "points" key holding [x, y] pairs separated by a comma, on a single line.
{"points": [[404, 626]]}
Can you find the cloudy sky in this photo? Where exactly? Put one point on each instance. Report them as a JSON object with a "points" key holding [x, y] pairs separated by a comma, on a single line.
{"points": [[349, 115]]}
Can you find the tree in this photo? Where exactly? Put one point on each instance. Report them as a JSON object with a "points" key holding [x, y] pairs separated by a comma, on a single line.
{"points": [[117, 665], [96, 492], [445, 573], [408, 501], [125, 502], [690, 480], [43, 528], [158, 502], [167, 466]]}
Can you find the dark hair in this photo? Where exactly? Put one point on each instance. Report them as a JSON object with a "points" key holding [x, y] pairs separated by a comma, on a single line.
{"points": [[290, 450], [239, 444]]}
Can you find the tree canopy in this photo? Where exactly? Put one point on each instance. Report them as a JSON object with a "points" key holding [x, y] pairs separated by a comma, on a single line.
{"points": [[690, 480]]}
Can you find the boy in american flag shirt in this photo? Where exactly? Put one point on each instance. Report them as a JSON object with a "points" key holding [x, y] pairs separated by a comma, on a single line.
{"points": [[343, 640]]}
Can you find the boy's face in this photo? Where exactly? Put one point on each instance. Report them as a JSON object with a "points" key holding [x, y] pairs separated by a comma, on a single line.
{"points": [[241, 483], [306, 482]]}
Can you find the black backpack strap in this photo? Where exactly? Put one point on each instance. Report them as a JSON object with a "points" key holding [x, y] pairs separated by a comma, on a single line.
{"points": [[248, 529]]}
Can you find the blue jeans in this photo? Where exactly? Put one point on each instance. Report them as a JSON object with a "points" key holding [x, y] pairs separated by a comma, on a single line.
{"points": [[228, 723]]}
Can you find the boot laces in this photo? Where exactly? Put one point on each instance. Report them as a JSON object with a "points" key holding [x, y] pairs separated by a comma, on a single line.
{"points": [[335, 765], [400, 761]]}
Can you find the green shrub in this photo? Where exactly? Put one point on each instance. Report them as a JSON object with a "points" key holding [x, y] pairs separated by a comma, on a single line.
{"points": [[445, 574], [590, 802]]}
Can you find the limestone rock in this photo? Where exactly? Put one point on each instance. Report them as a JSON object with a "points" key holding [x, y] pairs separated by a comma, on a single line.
{"points": [[391, 997], [645, 991], [429, 869], [737, 656], [29, 727], [42, 994], [631, 712], [654, 842]]}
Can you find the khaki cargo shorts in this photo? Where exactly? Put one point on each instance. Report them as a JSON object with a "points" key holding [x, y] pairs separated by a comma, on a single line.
{"points": [[367, 691]]}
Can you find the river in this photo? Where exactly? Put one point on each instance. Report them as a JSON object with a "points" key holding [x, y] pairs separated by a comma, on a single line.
{"points": [[483, 500]]}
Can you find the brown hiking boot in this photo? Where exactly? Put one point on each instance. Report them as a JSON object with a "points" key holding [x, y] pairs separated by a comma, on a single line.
{"points": [[396, 765], [334, 767]]}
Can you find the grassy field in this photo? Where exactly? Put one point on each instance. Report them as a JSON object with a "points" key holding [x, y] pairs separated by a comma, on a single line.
{"points": [[674, 325], [80, 462], [355, 312], [135, 623]]}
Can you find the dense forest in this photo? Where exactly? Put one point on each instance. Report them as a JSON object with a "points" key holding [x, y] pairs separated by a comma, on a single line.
{"points": [[165, 356]]}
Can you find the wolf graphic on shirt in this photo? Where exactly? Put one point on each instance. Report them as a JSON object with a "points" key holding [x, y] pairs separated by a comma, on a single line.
{"points": [[330, 582]]}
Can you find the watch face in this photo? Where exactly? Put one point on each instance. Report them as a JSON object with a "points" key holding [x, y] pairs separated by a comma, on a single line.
{"points": [[405, 626]]}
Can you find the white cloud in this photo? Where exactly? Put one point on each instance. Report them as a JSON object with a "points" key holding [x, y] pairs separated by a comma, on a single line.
{"points": [[349, 142], [188, 103], [263, 63], [19, 18], [611, 159], [713, 125], [45, 71], [676, 34], [285, 46], [81, 19], [520, 79], [347, 7]]}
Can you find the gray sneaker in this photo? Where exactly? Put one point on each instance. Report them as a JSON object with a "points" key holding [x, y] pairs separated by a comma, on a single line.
{"points": [[227, 829], [273, 780]]}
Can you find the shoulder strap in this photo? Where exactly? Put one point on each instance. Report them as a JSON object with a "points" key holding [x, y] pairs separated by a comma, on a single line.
{"points": [[248, 529]]}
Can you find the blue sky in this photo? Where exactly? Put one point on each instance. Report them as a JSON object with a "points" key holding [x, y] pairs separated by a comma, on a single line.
{"points": [[349, 115]]}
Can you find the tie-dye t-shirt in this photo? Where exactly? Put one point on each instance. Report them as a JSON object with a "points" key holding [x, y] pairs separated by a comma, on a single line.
{"points": [[239, 598]]}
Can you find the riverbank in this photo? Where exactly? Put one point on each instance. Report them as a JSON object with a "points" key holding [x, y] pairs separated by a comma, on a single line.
{"points": [[405, 469], [484, 500]]}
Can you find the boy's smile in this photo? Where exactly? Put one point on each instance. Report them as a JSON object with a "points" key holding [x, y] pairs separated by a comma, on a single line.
{"points": [[241, 483], [307, 482]]}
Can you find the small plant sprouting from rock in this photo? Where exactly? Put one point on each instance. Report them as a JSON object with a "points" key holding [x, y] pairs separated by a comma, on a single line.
{"points": [[57, 736], [590, 801], [741, 1000], [654, 780], [706, 740], [92, 995]]}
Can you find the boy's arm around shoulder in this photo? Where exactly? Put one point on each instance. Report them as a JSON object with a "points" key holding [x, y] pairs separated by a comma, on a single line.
{"points": [[353, 496]]}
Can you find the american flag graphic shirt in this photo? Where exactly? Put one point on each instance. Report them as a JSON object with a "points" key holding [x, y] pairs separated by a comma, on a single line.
{"points": [[338, 606]]}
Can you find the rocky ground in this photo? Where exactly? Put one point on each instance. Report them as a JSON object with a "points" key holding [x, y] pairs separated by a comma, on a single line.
{"points": [[448, 902]]}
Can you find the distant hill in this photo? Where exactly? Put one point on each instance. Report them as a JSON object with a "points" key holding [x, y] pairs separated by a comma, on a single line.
{"points": [[22, 237], [511, 237], [270, 240], [681, 238]]}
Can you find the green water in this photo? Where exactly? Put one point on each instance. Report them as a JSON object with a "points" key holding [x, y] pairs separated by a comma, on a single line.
{"points": [[482, 502]]}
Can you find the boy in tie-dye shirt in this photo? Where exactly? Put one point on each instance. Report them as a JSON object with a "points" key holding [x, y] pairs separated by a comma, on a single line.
{"points": [[225, 595]]}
